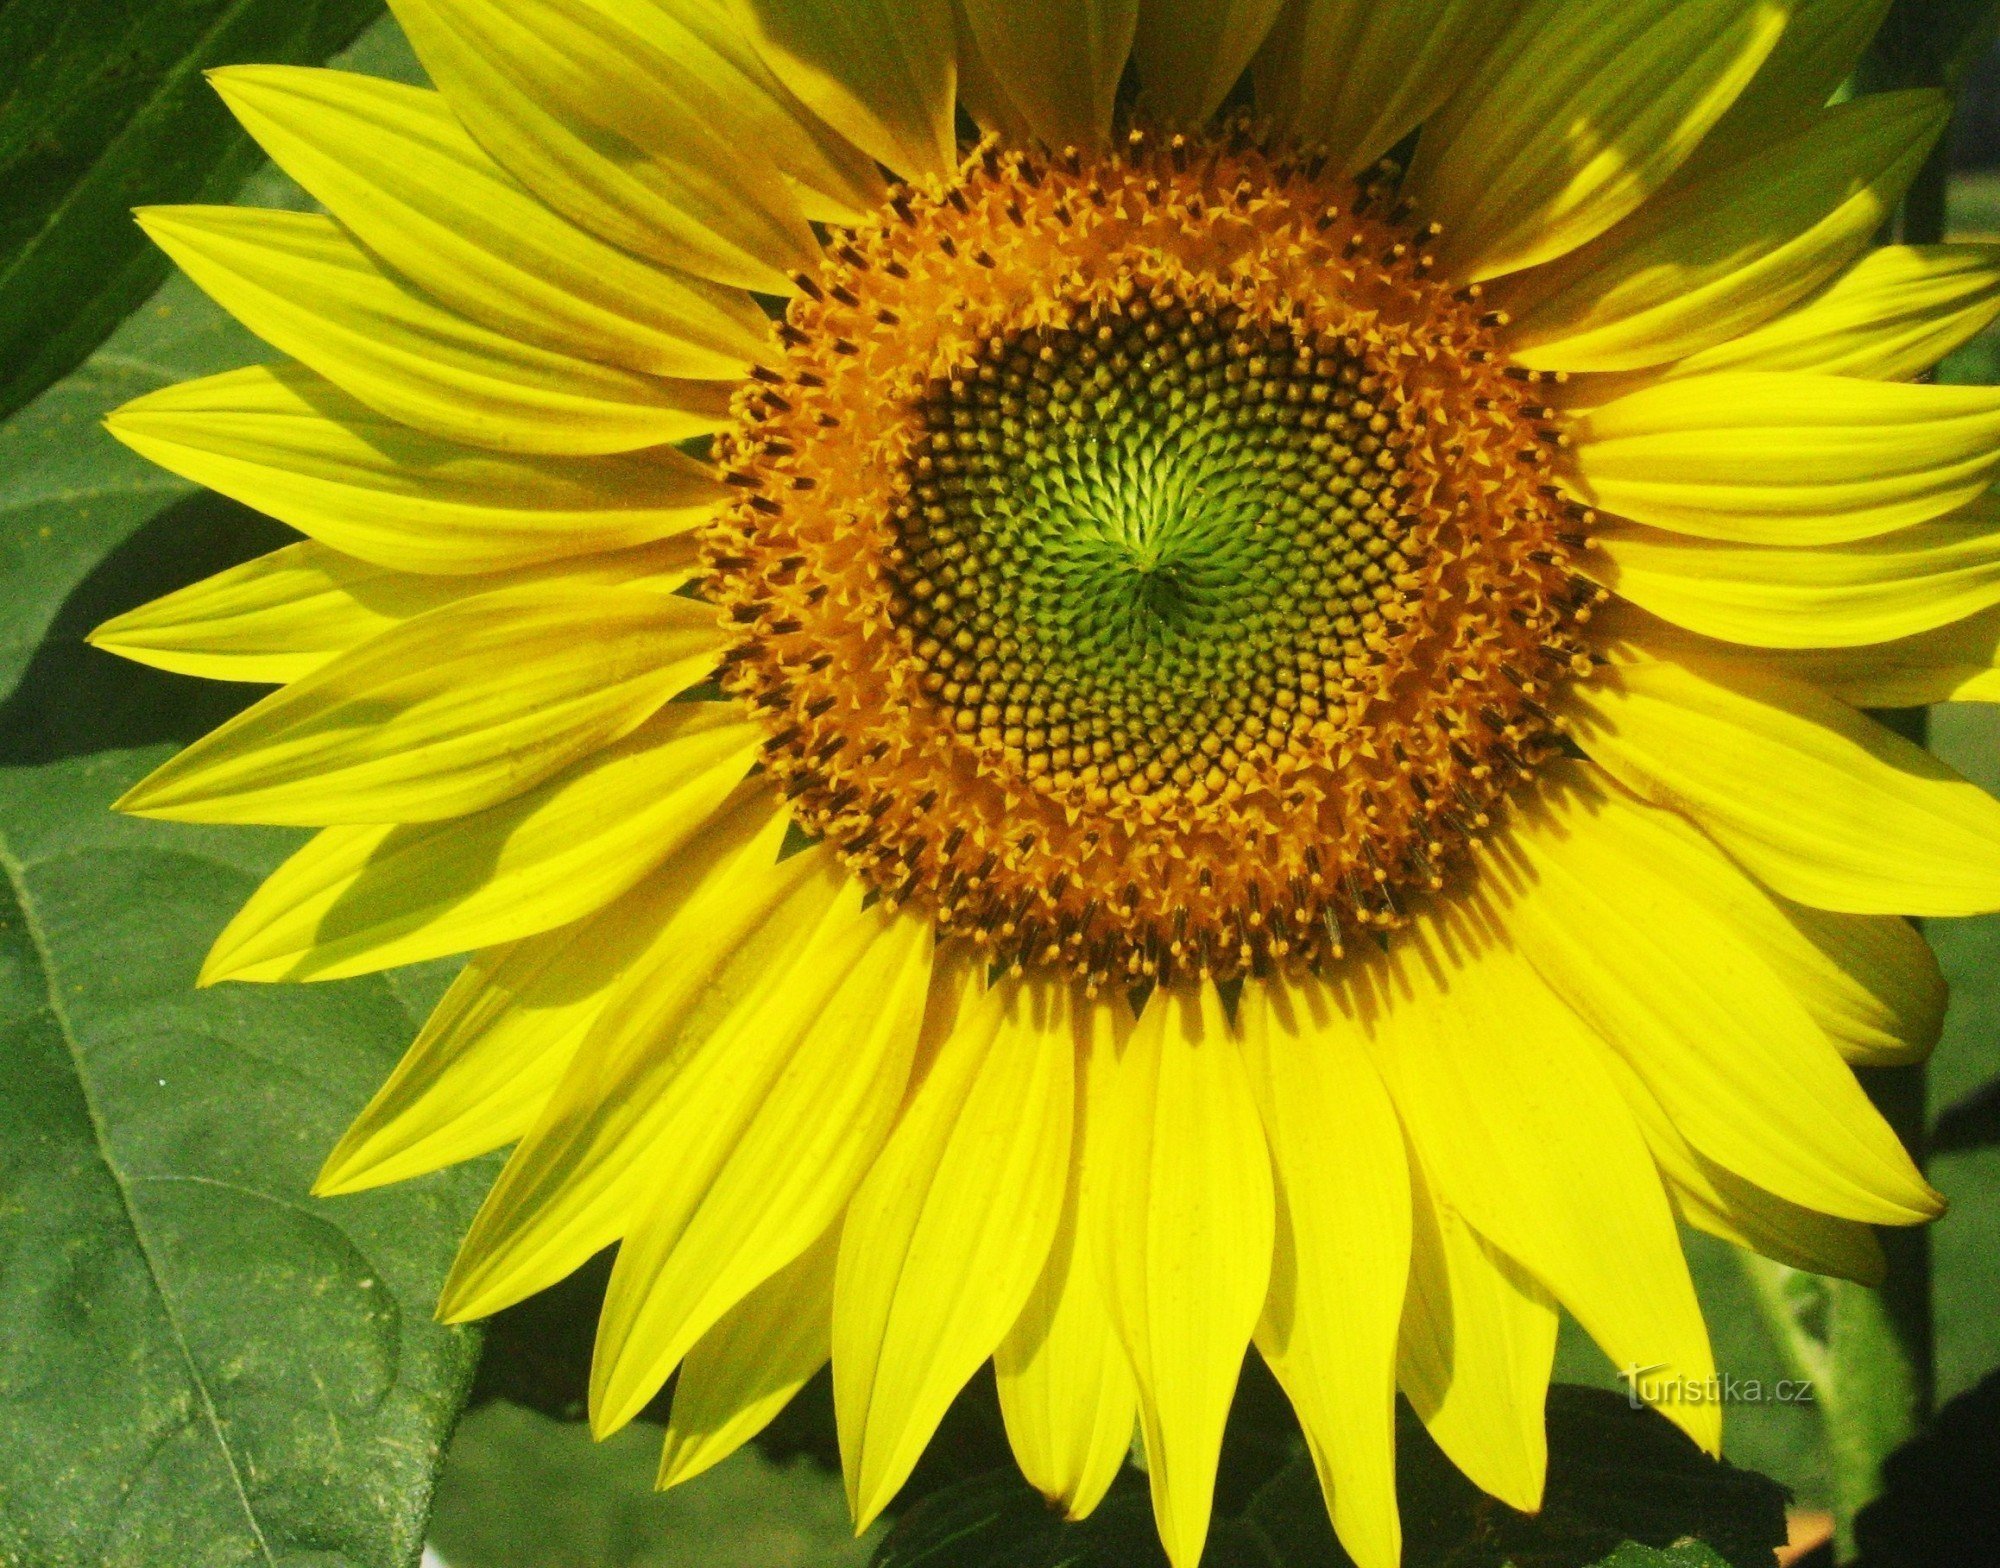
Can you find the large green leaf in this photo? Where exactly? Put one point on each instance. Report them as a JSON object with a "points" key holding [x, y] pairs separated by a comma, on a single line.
{"points": [[203, 1365], [103, 108], [524, 1491]]}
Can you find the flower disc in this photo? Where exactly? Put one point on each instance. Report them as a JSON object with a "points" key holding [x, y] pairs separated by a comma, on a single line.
{"points": [[1147, 566]]}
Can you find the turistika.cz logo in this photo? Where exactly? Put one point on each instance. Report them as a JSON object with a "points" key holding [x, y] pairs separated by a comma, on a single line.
{"points": [[1654, 1385]]}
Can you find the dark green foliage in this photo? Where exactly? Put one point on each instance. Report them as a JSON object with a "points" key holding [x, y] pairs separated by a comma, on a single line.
{"points": [[1626, 1489], [102, 109]]}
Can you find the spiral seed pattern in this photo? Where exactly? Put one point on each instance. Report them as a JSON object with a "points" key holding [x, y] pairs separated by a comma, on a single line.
{"points": [[1146, 565]]}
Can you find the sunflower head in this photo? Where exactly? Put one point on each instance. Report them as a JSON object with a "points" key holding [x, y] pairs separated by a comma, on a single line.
{"points": [[1132, 733], [1147, 562]]}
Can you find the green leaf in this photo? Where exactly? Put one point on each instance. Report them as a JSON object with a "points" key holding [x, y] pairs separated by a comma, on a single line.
{"points": [[1929, 43], [203, 1364], [1626, 1490], [105, 110], [523, 1491]]}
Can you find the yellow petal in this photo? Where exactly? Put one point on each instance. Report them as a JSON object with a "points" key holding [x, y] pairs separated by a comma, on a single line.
{"points": [[1957, 663], [740, 967], [1724, 253], [1824, 805], [1874, 590], [1869, 981], [449, 713], [980, 93], [1356, 77], [360, 899], [765, 1160], [288, 442], [1520, 1126], [833, 180], [1891, 317], [298, 282], [1607, 919], [747, 1368], [1478, 1344], [1066, 1393], [1876, 987], [1583, 110], [399, 172], [1190, 56], [1713, 1198], [881, 72], [1780, 459], [1823, 43], [283, 615], [951, 1229], [1184, 1243], [1056, 62], [278, 617], [1342, 1260], [640, 143], [496, 1046]]}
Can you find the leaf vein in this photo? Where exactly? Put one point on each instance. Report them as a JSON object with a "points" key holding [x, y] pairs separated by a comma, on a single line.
{"points": [[24, 900]]}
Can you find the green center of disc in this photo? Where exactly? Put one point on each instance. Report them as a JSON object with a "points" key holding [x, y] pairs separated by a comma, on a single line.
{"points": [[1139, 547]]}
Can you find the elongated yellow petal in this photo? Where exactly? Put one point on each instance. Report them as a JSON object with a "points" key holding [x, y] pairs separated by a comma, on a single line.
{"points": [[1890, 317], [1520, 1126], [1190, 56], [1874, 590], [881, 72], [1184, 1248], [1713, 1198], [400, 173], [1332, 1320], [1724, 253], [1826, 806], [767, 1155], [283, 615], [1583, 110], [1066, 1392], [833, 180], [747, 1368], [741, 966], [278, 617], [1822, 44], [1356, 77], [950, 1230], [639, 143], [360, 899], [288, 442], [1478, 1344], [1607, 919], [298, 282], [1057, 62], [449, 713], [1778, 459], [1876, 987], [495, 1048], [1957, 663], [1869, 981], [980, 93]]}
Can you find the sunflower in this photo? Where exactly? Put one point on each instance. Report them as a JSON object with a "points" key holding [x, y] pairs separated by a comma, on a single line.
{"points": [[1100, 681]]}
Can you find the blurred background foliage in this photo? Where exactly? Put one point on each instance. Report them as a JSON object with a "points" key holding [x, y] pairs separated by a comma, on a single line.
{"points": [[205, 1367]]}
